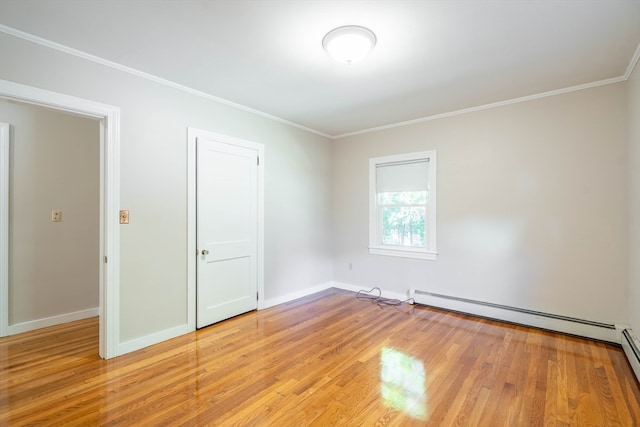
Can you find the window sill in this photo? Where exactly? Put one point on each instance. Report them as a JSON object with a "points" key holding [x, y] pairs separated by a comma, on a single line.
{"points": [[403, 253]]}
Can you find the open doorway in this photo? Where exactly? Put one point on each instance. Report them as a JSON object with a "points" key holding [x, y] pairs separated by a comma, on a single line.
{"points": [[107, 119], [54, 216]]}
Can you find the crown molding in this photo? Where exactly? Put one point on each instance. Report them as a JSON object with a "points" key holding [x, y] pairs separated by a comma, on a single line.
{"points": [[627, 74], [486, 106], [96, 59], [632, 63], [111, 64]]}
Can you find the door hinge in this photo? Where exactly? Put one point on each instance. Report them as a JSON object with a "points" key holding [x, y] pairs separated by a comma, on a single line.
{"points": [[257, 295], [258, 160], [105, 259]]}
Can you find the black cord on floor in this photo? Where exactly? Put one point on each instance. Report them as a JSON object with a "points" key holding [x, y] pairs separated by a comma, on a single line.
{"points": [[379, 299]]}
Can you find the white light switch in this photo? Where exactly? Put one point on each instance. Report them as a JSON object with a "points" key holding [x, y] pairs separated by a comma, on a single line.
{"points": [[56, 216]]}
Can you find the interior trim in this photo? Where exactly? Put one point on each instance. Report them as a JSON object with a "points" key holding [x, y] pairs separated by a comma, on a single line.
{"points": [[31, 325], [487, 106], [632, 64], [4, 227], [111, 64], [84, 55], [109, 276]]}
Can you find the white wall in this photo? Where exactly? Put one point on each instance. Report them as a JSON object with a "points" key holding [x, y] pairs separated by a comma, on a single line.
{"points": [[532, 206], [54, 165], [154, 121], [633, 94]]}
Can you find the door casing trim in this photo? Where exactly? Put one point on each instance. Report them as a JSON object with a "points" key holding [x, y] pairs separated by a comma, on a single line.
{"points": [[4, 229]]}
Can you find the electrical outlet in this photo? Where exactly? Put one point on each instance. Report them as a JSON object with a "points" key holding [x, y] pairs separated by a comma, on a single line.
{"points": [[124, 217], [56, 216]]}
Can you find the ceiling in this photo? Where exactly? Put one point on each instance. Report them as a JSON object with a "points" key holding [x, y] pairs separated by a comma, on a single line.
{"points": [[432, 57]]}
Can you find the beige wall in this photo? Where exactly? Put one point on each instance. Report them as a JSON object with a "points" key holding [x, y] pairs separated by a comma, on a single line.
{"points": [[53, 266], [153, 183], [532, 210], [634, 198], [532, 206]]}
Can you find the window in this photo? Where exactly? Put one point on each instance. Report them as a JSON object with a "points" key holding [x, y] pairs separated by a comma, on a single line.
{"points": [[402, 205]]}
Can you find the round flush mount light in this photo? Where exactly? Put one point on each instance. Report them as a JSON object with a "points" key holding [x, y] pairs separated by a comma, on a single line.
{"points": [[349, 43]]}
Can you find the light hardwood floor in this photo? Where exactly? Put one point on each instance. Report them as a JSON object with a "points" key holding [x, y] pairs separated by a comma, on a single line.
{"points": [[324, 360]]}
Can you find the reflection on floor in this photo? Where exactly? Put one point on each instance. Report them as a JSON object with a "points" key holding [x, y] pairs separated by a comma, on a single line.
{"points": [[403, 383], [328, 359]]}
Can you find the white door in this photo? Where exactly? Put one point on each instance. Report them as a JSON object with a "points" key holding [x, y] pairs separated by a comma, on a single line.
{"points": [[227, 230]]}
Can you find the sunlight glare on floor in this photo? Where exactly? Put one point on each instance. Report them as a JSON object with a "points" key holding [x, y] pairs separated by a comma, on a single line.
{"points": [[403, 383]]}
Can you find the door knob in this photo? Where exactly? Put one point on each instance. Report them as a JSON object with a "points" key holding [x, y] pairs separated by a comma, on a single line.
{"points": [[205, 252]]}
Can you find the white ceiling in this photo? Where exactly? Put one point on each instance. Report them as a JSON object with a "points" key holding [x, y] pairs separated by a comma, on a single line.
{"points": [[432, 57]]}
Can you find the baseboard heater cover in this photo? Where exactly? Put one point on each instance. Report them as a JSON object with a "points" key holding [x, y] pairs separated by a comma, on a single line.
{"points": [[571, 325], [631, 347]]}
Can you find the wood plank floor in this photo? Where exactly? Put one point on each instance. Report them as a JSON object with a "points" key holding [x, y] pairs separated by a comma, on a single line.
{"points": [[324, 360]]}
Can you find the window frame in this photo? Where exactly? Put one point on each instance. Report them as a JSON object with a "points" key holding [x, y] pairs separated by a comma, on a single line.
{"points": [[376, 247]]}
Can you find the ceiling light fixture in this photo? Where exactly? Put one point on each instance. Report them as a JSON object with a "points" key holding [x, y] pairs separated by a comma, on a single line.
{"points": [[349, 43]]}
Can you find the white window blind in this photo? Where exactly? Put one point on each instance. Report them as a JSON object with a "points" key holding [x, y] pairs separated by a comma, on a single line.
{"points": [[402, 176]]}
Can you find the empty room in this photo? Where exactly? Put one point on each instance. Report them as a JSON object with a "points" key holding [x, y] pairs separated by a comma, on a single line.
{"points": [[319, 213]]}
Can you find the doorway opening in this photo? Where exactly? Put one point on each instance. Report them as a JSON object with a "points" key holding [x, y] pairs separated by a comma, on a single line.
{"points": [[53, 216], [108, 247]]}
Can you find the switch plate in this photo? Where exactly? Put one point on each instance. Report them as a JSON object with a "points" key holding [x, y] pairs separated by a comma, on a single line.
{"points": [[124, 217], [56, 216]]}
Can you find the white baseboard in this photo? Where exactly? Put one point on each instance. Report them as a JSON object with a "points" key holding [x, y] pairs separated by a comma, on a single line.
{"points": [[157, 337], [587, 329], [295, 295], [319, 288], [631, 347], [31, 325], [154, 338]]}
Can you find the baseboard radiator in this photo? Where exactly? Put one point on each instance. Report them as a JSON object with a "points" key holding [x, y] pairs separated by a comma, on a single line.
{"points": [[554, 322], [631, 347]]}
